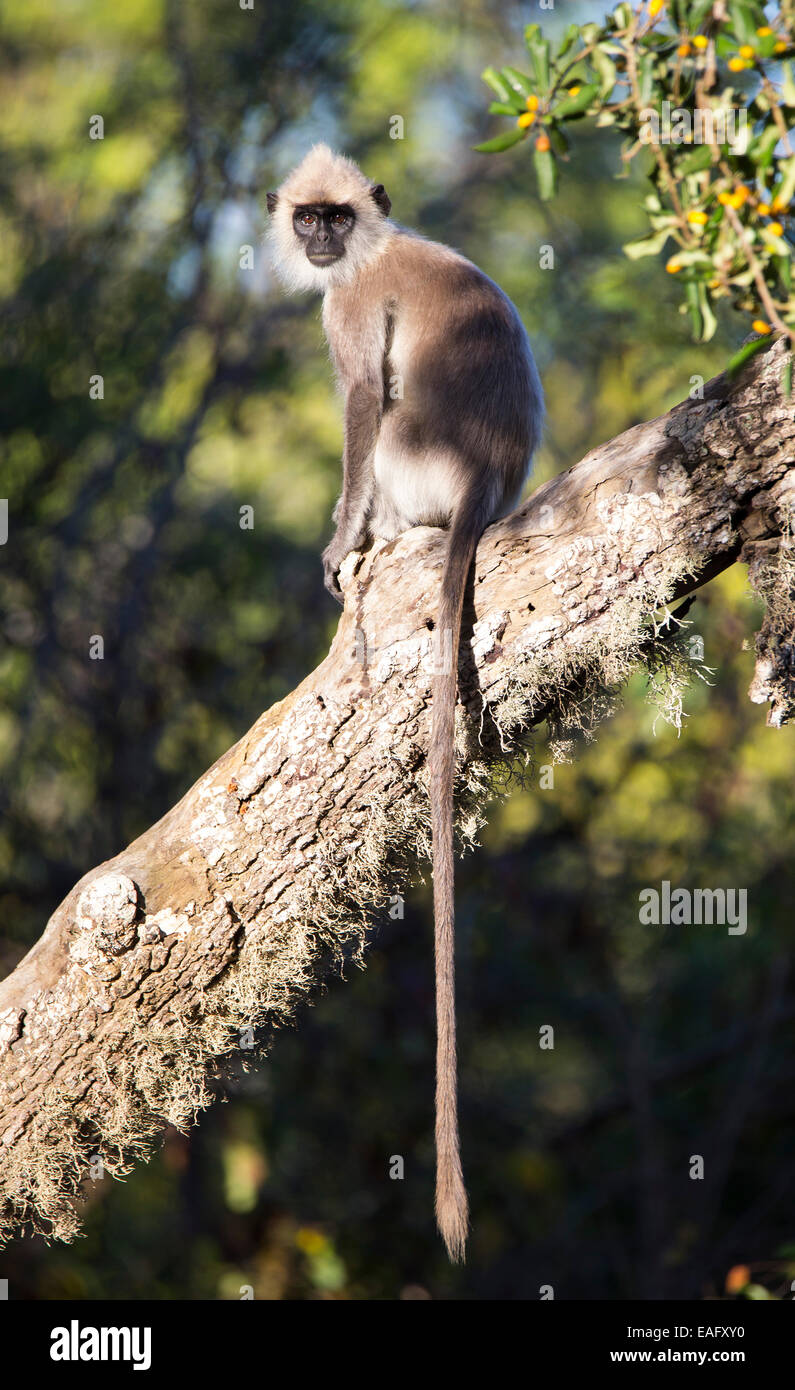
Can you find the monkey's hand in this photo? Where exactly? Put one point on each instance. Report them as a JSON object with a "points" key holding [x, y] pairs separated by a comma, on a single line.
{"points": [[351, 534], [333, 557]]}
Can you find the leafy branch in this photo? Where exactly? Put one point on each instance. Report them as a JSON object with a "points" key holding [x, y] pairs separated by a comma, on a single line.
{"points": [[704, 93]]}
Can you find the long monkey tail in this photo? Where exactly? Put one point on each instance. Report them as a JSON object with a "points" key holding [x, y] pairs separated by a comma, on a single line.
{"points": [[452, 1207]]}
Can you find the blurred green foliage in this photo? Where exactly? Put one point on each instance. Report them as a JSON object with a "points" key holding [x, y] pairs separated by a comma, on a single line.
{"points": [[121, 257]]}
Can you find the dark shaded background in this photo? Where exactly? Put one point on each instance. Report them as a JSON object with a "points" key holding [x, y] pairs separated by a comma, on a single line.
{"points": [[121, 257]]}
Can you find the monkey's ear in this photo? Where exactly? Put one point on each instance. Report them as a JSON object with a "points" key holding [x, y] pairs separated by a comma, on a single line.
{"points": [[381, 198], [272, 200]]}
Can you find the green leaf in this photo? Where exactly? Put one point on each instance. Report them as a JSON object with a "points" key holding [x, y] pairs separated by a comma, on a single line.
{"points": [[505, 108], [569, 106], [570, 35], [497, 83], [776, 244], [606, 69], [691, 292], [787, 84], [622, 14], [500, 142], [540, 56], [695, 161], [647, 245], [747, 351], [646, 68], [578, 72], [546, 173], [743, 21], [786, 378], [761, 149], [708, 321], [693, 258], [662, 219], [699, 13], [519, 81], [787, 185], [767, 44]]}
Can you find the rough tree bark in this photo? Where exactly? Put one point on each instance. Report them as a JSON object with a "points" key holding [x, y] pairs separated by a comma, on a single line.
{"points": [[222, 917]]}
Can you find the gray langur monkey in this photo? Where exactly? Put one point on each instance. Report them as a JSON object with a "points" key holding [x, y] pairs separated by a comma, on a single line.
{"points": [[453, 451]]}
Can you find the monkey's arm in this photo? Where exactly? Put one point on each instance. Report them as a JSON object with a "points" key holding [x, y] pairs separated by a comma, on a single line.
{"points": [[363, 408]]}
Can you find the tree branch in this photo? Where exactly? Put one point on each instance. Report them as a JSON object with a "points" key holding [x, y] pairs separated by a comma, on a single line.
{"points": [[219, 920]]}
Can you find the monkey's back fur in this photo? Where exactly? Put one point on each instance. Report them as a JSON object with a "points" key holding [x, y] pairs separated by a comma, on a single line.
{"points": [[433, 329]]}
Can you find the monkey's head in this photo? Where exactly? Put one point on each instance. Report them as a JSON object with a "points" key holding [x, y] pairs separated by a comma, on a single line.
{"points": [[327, 222]]}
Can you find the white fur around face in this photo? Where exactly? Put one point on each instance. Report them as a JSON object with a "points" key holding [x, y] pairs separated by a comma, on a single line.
{"points": [[325, 177]]}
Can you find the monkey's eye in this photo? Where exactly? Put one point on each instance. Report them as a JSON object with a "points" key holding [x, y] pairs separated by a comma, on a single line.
{"points": [[307, 219], [339, 220]]}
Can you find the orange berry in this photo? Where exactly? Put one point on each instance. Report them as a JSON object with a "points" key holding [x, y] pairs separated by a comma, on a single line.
{"points": [[775, 229], [655, 7], [778, 205], [746, 51], [526, 119], [542, 144], [764, 32], [763, 208], [532, 103], [780, 47], [673, 265], [724, 198], [683, 50], [761, 326], [737, 1278], [574, 91], [697, 218], [700, 41], [736, 65]]}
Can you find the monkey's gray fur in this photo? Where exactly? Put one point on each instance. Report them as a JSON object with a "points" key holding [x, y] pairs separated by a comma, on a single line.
{"points": [[454, 449]]}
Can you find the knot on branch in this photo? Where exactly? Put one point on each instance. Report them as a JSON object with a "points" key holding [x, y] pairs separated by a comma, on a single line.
{"points": [[108, 908]]}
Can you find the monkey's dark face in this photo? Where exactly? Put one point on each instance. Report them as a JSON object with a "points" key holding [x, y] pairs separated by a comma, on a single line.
{"points": [[324, 229]]}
